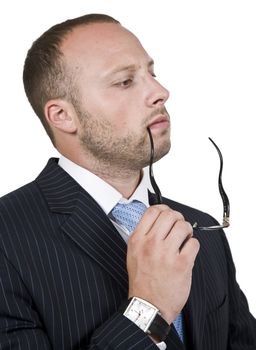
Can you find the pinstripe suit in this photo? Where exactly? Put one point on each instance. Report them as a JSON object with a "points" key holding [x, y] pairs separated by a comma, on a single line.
{"points": [[63, 276]]}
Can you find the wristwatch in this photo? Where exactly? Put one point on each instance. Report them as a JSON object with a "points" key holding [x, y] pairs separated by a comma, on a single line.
{"points": [[147, 317]]}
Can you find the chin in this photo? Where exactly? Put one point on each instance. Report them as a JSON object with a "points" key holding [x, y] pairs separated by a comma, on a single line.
{"points": [[164, 149]]}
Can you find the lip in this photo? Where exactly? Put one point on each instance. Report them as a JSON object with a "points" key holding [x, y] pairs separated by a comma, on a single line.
{"points": [[159, 121]]}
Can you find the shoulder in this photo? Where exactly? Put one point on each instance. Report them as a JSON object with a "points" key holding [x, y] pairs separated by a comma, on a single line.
{"points": [[20, 206], [28, 199], [191, 214], [212, 242], [20, 197]]}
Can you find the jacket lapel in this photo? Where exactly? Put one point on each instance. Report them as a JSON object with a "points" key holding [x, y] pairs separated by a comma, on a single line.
{"points": [[90, 228], [86, 223]]}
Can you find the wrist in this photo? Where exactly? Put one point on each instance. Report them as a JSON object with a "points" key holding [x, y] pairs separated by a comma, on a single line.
{"points": [[166, 313], [147, 317]]}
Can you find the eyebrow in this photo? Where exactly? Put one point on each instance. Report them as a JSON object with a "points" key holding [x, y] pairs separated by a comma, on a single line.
{"points": [[131, 67]]}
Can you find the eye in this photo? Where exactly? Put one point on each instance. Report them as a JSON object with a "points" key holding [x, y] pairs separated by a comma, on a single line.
{"points": [[125, 83]]}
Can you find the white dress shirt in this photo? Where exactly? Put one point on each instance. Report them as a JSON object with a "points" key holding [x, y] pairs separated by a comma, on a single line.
{"points": [[106, 195]]}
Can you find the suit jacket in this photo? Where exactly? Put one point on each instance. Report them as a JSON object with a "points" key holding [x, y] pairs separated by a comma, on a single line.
{"points": [[63, 277]]}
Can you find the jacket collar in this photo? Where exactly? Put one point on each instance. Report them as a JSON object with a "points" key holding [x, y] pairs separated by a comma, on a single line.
{"points": [[86, 225]]}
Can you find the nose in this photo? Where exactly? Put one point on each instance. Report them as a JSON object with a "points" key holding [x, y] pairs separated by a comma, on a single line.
{"points": [[157, 95]]}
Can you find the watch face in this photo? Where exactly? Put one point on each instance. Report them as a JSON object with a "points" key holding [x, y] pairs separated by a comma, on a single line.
{"points": [[140, 313]]}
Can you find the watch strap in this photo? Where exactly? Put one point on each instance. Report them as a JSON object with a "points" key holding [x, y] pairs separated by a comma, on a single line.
{"points": [[159, 328]]}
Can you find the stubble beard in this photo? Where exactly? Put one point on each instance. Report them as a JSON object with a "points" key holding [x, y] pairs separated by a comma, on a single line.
{"points": [[118, 155]]}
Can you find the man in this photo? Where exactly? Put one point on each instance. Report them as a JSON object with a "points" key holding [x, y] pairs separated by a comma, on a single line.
{"points": [[73, 275]]}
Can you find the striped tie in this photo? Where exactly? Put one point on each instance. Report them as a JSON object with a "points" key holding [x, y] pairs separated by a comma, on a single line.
{"points": [[129, 216]]}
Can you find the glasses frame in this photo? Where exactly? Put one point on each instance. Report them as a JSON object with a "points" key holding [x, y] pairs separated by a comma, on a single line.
{"points": [[224, 197]]}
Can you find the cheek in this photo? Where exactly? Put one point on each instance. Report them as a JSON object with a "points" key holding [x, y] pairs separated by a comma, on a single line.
{"points": [[122, 111], [128, 114], [127, 119]]}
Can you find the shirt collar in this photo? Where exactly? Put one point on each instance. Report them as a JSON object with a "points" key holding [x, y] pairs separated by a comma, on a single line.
{"points": [[103, 193]]}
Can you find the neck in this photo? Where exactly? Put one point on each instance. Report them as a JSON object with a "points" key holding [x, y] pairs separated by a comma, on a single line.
{"points": [[123, 180], [125, 184]]}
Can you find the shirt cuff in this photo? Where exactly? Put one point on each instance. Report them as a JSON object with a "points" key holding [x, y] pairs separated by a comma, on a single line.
{"points": [[162, 345]]}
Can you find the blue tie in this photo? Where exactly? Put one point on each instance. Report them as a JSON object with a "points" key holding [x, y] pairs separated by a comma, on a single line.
{"points": [[129, 216]]}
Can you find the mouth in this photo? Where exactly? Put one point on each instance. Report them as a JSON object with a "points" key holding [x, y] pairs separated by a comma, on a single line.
{"points": [[159, 122]]}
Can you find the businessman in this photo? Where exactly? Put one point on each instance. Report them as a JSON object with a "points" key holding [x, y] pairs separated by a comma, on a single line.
{"points": [[88, 260]]}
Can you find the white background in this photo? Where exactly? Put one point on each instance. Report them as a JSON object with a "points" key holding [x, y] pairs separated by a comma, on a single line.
{"points": [[205, 54]]}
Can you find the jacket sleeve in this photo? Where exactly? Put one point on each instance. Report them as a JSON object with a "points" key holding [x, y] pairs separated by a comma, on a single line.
{"points": [[21, 327], [242, 325], [120, 333]]}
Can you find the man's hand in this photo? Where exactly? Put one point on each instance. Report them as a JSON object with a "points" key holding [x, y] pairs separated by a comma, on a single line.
{"points": [[160, 259]]}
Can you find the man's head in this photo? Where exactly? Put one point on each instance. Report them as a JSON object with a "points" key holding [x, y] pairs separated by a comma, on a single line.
{"points": [[93, 87], [45, 74]]}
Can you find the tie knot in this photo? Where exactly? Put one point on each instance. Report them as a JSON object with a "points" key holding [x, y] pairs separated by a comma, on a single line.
{"points": [[129, 214]]}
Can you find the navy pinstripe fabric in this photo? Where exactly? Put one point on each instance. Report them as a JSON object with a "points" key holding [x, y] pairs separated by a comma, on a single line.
{"points": [[63, 276]]}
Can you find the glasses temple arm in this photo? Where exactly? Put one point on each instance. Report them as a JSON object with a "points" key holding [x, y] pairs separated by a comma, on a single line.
{"points": [[226, 206], [151, 174]]}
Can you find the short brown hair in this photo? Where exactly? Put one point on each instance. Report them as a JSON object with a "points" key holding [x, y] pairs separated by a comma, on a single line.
{"points": [[45, 75]]}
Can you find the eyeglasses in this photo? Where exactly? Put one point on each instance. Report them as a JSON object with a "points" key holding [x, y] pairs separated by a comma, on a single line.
{"points": [[225, 200]]}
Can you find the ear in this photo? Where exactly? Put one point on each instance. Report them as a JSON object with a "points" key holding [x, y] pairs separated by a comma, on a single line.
{"points": [[60, 115]]}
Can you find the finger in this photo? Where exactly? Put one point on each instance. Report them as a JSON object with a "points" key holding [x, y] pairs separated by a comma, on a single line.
{"points": [[165, 223], [190, 249], [180, 233], [148, 219]]}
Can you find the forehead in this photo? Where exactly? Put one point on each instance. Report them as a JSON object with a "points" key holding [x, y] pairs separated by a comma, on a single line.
{"points": [[102, 47]]}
